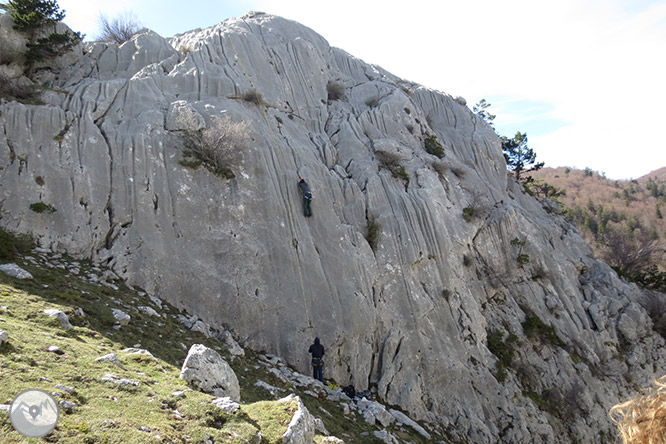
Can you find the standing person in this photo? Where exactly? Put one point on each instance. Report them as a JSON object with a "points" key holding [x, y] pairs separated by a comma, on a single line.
{"points": [[307, 197], [317, 351]]}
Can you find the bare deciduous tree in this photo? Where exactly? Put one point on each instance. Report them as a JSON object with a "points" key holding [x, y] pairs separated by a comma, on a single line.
{"points": [[119, 29], [633, 253]]}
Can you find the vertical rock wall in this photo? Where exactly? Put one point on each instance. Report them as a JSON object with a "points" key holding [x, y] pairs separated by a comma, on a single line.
{"points": [[417, 316]]}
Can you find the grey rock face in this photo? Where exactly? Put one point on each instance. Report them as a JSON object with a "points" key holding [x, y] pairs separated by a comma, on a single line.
{"points": [[208, 371], [406, 420], [414, 314]]}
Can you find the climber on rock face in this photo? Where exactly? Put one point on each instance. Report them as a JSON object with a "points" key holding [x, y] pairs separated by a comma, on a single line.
{"points": [[307, 197], [317, 351]]}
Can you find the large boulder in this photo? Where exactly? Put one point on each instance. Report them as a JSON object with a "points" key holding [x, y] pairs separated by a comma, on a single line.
{"points": [[209, 372], [15, 271]]}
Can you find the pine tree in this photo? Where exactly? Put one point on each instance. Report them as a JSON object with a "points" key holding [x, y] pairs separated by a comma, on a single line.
{"points": [[480, 109], [32, 17], [519, 157]]}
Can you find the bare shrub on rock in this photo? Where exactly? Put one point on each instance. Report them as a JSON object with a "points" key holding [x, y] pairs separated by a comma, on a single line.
{"points": [[217, 147], [119, 29]]}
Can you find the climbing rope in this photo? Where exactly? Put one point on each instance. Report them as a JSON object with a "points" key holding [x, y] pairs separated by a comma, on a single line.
{"points": [[279, 155]]}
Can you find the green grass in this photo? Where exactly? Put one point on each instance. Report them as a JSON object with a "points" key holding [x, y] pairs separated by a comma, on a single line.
{"points": [[24, 362], [107, 413]]}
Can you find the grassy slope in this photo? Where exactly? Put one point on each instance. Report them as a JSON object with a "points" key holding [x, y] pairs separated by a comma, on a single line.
{"points": [[107, 413]]}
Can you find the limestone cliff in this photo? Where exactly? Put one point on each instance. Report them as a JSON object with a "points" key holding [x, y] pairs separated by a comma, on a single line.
{"points": [[422, 317]]}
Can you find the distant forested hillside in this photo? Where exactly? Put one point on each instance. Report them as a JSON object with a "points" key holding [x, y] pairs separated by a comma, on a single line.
{"points": [[622, 219]]}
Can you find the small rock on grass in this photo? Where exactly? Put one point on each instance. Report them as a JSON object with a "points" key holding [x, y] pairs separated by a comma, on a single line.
{"points": [[122, 318], [60, 316], [111, 357], [226, 404], [119, 381], [65, 389], [55, 349], [147, 311], [67, 405]]}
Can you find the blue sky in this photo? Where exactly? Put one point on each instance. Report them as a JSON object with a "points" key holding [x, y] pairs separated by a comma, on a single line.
{"points": [[585, 79]]}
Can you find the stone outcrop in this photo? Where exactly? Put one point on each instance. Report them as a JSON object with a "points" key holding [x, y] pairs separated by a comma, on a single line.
{"points": [[301, 429], [209, 372], [15, 271], [421, 313]]}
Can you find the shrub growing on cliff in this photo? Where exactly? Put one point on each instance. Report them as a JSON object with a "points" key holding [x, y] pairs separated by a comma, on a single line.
{"points": [[534, 327], [253, 96], [432, 146], [503, 349], [217, 147], [41, 207], [521, 258], [468, 214], [335, 91], [372, 102], [391, 162], [372, 232]]}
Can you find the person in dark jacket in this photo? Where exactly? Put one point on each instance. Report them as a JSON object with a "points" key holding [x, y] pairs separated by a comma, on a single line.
{"points": [[317, 351], [307, 197]]}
